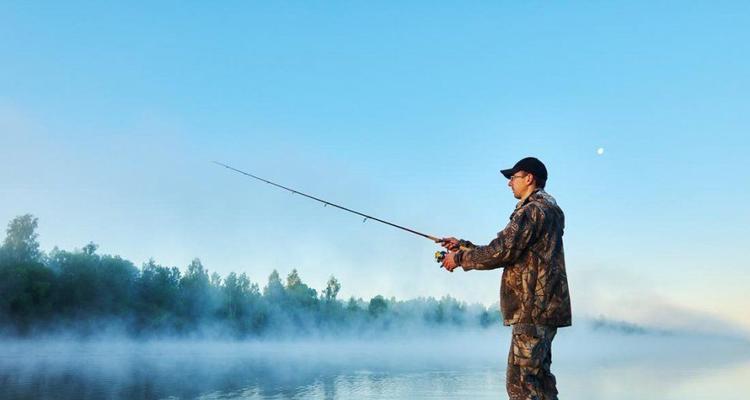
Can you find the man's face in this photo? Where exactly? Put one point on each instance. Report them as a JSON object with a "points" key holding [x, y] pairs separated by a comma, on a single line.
{"points": [[519, 183]]}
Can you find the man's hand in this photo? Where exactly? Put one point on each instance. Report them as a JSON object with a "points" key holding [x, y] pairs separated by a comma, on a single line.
{"points": [[449, 243], [449, 262]]}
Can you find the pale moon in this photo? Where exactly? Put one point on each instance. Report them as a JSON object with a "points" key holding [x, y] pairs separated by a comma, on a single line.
{"points": [[600, 151]]}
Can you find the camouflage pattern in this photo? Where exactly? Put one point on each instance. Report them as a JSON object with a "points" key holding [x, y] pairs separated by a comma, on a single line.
{"points": [[528, 376], [534, 287]]}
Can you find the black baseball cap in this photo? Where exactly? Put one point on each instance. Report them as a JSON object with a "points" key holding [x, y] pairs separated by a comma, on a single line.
{"points": [[529, 164]]}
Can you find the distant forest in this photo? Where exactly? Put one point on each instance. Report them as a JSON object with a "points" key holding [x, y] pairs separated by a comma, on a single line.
{"points": [[84, 292]]}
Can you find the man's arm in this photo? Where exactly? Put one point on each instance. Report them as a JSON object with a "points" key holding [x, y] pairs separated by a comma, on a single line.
{"points": [[510, 243]]}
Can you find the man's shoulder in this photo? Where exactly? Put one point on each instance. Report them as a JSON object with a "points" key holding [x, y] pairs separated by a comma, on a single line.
{"points": [[540, 198], [542, 203]]}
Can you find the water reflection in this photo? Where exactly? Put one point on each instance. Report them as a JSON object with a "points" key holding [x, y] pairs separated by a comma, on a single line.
{"points": [[459, 366]]}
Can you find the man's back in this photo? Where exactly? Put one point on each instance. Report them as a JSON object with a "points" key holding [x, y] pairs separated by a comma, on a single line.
{"points": [[534, 286]]}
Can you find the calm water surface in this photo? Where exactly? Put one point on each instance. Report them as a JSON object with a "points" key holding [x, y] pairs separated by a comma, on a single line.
{"points": [[453, 366]]}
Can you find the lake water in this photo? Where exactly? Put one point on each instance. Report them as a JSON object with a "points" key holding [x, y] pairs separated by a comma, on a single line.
{"points": [[451, 365]]}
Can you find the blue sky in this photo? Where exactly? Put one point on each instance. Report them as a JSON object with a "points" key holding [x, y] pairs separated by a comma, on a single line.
{"points": [[111, 113]]}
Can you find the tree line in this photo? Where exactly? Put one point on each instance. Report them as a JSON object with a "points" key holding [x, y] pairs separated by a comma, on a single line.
{"points": [[86, 292]]}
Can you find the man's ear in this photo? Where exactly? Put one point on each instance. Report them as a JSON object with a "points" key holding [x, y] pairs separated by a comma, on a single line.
{"points": [[532, 180]]}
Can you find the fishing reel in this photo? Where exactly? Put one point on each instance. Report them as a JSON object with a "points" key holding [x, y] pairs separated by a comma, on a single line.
{"points": [[440, 256]]}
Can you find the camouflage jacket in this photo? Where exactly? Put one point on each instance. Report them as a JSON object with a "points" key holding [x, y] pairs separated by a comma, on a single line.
{"points": [[534, 288]]}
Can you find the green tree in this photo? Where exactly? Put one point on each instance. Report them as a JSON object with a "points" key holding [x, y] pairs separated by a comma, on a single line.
{"points": [[26, 292], [93, 286], [293, 279], [332, 289], [274, 290], [26, 285], [21, 245], [378, 306], [299, 294], [352, 305], [195, 295], [158, 291], [90, 248], [487, 318], [232, 305], [240, 298]]}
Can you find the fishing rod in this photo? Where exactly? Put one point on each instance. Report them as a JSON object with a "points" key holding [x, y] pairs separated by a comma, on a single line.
{"points": [[438, 255]]}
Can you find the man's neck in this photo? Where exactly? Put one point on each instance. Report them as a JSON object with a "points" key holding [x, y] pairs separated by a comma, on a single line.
{"points": [[528, 193]]}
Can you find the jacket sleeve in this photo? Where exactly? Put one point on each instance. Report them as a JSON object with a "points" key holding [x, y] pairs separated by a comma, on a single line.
{"points": [[466, 245], [510, 243]]}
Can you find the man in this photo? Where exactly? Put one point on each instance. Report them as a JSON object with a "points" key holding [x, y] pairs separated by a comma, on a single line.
{"points": [[534, 296]]}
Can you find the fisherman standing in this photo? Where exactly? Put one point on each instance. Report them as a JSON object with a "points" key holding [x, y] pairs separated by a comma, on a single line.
{"points": [[534, 297]]}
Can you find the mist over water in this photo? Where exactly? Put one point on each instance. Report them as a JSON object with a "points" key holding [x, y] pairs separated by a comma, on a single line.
{"points": [[451, 364]]}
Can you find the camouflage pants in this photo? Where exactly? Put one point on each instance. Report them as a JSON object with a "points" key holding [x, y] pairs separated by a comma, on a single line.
{"points": [[528, 376]]}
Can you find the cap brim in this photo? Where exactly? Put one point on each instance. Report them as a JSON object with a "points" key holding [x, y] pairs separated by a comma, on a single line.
{"points": [[508, 172]]}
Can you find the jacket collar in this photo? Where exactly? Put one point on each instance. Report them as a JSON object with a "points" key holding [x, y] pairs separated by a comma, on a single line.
{"points": [[536, 193]]}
